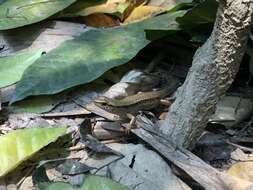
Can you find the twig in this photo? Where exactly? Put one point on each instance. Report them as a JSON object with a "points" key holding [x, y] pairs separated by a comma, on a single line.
{"points": [[239, 146]]}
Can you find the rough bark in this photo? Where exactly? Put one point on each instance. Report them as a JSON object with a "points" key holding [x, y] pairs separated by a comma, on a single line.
{"points": [[214, 67]]}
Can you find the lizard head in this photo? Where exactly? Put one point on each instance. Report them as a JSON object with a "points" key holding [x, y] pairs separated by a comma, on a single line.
{"points": [[102, 100]]}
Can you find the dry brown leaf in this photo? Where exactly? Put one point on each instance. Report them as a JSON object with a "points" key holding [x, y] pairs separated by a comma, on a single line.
{"points": [[143, 12], [100, 20]]}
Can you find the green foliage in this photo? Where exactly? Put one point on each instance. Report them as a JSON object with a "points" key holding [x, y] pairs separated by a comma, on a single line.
{"points": [[88, 56], [16, 13], [39, 104], [19, 145], [91, 183], [202, 13], [12, 67]]}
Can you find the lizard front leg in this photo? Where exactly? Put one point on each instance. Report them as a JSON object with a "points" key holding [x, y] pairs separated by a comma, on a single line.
{"points": [[131, 124]]}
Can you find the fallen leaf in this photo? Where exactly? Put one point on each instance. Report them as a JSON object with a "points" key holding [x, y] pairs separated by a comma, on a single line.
{"points": [[88, 56], [118, 8], [12, 67], [76, 112], [235, 183], [19, 145], [242, 170], [100, 20], [73, 167], [143, 12], [40, 104], [203, 13], [7, 92], [90, 183], [167, 4], [152, 8], [16, 13], [44, 35]]}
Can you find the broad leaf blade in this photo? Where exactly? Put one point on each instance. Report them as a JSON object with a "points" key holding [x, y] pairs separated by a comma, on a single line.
{"points": [[202, 13], [19, 145], [91, 183], [101, 183], [38, 104], [16, 13], [61, 186], [12, 67], [87, 57]]}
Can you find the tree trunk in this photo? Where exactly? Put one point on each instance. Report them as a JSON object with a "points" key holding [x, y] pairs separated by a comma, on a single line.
{"points": [[214, 67]]}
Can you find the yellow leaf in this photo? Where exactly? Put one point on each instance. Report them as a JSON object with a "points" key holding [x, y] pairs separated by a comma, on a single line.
{"points": [[241, 176], [17, 146], [119, 8], [235, 183], [111, 6], [242, 170], [143, 12]]}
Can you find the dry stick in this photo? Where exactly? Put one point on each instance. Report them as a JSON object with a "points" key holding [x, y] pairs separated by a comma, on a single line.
{"points": [[239, 146], [113, 161], [204, 174], [25, 176]]}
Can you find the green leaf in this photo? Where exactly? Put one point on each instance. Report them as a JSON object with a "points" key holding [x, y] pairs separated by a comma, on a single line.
{"points": [[12, 67], [88, 56], [202, 13], [19, 145], [16, 13], [61, 186], [2, 1], [101, 183], [91, 183], [36, 105]]}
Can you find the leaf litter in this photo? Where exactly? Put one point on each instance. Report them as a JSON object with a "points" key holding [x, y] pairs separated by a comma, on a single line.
{"points": [[225, 145]]}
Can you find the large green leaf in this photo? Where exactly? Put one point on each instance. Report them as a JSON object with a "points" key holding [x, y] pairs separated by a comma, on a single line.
{"points": [[203, 13], [12, 67], [88, 56], [17, 146], [91, 183], [61, 186], [38, 104], [16, 13], [101, 183]]}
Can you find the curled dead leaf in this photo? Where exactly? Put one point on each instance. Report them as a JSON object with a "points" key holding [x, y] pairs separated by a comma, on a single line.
{"points": [[100, 20], [143, 12]]}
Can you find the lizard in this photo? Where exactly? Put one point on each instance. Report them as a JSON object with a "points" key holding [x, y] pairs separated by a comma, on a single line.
{"points": [[127, 107]]}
